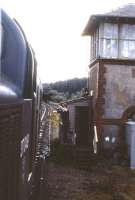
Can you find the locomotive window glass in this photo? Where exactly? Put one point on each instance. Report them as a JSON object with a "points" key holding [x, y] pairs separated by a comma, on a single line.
{"points": [[1, 39], [0, 47]]}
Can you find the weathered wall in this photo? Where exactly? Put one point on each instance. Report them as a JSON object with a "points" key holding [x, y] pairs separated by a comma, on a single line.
{"points": [[119, 90], [119, 95], [110, 136], [93, 80]]}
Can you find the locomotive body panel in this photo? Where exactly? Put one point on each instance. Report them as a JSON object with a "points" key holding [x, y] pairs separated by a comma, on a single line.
{"points": [[20, 98]]}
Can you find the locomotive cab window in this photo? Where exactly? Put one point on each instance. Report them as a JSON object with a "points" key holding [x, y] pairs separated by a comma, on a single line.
{"points": [[1, 40]]}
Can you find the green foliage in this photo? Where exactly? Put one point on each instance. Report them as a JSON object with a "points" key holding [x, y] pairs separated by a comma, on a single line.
{"points": [[65, 90], [55, 119]]}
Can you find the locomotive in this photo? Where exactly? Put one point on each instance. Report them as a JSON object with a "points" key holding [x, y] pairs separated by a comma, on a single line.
{"points": [[20, 106]]}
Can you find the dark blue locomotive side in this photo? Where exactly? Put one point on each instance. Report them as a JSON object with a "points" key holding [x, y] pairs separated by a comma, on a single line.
{"points": [[20, 94], [13, 54], [18, 63]]}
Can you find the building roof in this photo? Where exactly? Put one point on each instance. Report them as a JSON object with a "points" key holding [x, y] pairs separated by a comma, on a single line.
{"points": [[86, 98], [123, 13]]}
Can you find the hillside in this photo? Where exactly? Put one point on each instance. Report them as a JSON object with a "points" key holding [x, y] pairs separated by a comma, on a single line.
{"points": [[65, 90]]}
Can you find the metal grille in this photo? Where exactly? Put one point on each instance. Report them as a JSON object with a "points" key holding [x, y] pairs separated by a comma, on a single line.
{"points": [[10, 128]]}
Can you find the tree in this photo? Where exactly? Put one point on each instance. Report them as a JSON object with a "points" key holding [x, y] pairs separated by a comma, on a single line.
{"points": [[65, 90]]}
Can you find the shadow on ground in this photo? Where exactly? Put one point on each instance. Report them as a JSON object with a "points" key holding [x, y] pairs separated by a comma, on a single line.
{"points": [[100, 181]]}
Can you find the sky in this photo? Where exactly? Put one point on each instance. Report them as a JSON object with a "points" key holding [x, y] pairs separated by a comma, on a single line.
{"points": [[54, 28]]}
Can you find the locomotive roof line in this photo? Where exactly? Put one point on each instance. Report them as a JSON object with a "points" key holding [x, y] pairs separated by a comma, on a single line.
{"points": [[123, 14]]}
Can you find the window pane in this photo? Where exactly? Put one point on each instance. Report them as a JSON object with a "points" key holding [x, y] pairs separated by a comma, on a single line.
{"points": [[115, 31], [110, 31], [124, 49], [131, 49], [106, 48], [124, 31], [94, 45], [101, 30], [109, 48], [114, 48], [127, 31], [131, 31]]}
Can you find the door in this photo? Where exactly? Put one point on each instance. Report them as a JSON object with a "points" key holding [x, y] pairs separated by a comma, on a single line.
{"points": [[81, 125]]}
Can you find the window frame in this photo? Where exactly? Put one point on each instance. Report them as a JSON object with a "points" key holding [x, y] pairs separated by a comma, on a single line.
{"points": [[127, 39], [98, 38], [94, 45]]}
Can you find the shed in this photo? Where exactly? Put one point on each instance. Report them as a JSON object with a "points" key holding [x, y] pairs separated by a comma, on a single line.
{"points": [[78, 121]]}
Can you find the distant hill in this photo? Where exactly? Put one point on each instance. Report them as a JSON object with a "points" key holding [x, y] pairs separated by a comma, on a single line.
{"points": [[68, 89]]}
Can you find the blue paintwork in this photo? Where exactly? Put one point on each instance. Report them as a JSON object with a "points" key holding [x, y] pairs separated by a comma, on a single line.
{"points": [[14, 55]]}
